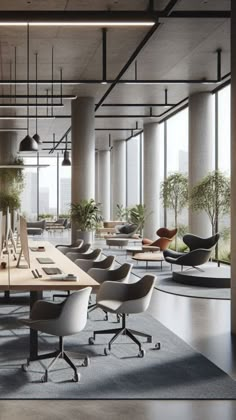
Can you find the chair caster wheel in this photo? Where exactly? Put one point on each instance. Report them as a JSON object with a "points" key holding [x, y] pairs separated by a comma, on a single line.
{"points": [[91, 340], [149, 340], [86, 362], [44, 378], [107, 351], [76, 377], [157, 346], [141, 353]]}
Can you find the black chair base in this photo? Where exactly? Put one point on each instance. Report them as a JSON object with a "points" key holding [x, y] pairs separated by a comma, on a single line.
{"points": [[59, 354], [123, 331]]}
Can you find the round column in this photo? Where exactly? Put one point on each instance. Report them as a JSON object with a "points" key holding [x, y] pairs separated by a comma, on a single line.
{"points": [[104, 182], [96, 178], [83, 151], [233, 167], [201, 144], [151, 177], [118, 175]]}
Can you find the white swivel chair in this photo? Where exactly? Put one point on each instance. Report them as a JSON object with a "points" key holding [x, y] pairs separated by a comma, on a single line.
{"points": [[124, 299], [94, 255], [66, 248], [62, 319], [85, 265], [120, 274]]}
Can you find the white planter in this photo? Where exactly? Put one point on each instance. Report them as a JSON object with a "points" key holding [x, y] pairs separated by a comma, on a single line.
{"points": [[87, 236]]}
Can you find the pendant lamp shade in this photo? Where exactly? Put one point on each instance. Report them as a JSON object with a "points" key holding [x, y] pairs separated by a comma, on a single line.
{"points": [[66, 161], [28, 144], [37, 138]]}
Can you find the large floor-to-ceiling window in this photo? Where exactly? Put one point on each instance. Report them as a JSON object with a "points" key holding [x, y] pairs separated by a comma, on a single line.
{"points": [[223, 163], [133, 171], [177, 159]]}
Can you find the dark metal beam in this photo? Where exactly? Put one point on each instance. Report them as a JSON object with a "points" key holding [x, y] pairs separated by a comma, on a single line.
{"points": [[104, 54], [168, 9], [128, 63], [219, 64], [136, 105], [78, 16], [39, 96], [106, 16]]}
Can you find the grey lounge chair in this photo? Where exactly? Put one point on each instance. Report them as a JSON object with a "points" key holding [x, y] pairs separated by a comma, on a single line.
{"points": [[200, 251], [121, 298], [60, 320]]}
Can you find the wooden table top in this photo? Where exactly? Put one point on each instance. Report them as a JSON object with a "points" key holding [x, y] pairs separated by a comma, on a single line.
{"points": [[23, 279], [148, 256]]}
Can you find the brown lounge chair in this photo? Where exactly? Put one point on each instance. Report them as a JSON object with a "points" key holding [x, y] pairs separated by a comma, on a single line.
{"points": [[166, 236]]}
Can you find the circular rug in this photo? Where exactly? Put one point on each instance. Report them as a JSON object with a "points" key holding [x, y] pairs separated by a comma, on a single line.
{"points": [[168, 285]]}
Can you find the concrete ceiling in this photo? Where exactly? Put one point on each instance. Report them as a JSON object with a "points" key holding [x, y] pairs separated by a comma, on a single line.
{"points": [[181, 48]]}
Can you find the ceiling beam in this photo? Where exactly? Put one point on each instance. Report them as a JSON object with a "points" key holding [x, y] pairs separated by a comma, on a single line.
{"points": [[79, 16], [109, 17], [112, 82], [128, 63], [136, 105]]}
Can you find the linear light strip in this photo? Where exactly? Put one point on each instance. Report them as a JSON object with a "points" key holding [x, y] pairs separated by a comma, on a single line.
{"points": [[94, 24]]}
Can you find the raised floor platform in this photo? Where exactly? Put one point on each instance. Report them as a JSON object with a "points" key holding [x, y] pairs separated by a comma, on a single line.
{"points": [[210, 277]]}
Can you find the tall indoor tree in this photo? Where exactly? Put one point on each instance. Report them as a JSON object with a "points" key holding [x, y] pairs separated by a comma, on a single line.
{"points": [[212, 194], [174, 194]]}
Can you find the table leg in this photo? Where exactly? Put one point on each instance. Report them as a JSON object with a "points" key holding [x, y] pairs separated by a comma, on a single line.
{"points": [[33, 351]]}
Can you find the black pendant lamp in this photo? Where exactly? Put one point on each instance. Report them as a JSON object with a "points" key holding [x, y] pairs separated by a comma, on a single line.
{"points": [[28, 144], [36, 137], [66, 161]]}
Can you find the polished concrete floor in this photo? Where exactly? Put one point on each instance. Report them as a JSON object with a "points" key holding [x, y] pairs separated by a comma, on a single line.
{"points": [[202, 323]]}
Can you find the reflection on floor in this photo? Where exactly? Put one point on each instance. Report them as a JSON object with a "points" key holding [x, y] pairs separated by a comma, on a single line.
{"points": [[202, 323]]}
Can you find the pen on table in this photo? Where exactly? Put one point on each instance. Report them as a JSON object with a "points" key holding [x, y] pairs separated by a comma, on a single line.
{"points": [[34, 274], [38, 274]]}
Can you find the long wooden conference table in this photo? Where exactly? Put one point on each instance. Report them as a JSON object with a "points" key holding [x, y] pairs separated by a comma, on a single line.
{"points": [[22, 279]]}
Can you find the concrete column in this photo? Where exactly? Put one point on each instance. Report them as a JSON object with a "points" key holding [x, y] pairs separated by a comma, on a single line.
{"points": [[201, 148], [118, 175], [104, 183], [83, 150], [96, 177], [151, 177], [233, 167]]}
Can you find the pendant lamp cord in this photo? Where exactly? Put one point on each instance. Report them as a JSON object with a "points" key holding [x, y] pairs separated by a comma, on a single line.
{"points": [[28, 78], [36, 90]]}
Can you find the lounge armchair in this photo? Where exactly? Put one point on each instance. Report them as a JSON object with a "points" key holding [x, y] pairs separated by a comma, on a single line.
{"points": [[200, 251], [166, 236]]}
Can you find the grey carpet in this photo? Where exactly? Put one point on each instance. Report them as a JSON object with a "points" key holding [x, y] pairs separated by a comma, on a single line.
{"points": [[176, 371], [165, 283]]}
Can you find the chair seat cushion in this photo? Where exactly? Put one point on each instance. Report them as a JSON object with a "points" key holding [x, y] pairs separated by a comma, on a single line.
{"points": [[110, 305]]}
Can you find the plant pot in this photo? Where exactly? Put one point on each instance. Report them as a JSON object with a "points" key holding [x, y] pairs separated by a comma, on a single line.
{"points": [[87, 236]]}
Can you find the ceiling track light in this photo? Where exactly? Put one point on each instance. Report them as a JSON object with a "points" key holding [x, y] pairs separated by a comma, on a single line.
{"points": [[28, 144]]}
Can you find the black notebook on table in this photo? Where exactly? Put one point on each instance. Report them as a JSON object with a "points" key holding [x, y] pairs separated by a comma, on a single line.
{"points": [[51, 270], [45, 260]]}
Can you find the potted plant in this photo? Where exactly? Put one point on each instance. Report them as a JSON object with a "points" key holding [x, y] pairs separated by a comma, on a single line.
{"points": [[85, 215], [138, 215]]}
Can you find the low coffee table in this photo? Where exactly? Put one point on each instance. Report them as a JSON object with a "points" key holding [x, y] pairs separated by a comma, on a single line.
{"points": [[120, 242], [142, 248], [149, 257]]}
